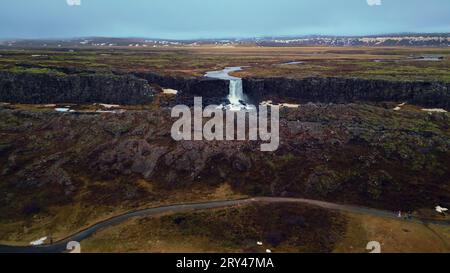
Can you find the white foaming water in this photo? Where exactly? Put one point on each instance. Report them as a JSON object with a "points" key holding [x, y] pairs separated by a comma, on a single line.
{"points": [[236, 95], [236, 92]]}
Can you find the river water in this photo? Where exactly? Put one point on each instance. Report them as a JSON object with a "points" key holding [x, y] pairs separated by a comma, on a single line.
{"points": [[236, 95]]}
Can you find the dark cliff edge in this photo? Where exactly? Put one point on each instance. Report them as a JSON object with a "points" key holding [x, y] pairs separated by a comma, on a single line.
{"points": [[341, 90], [35, 88], [140, 88], [213, 91], [88, 87]]}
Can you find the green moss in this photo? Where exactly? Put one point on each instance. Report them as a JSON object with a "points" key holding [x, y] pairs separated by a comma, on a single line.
{"points": [[358, 62], [33, 70]]}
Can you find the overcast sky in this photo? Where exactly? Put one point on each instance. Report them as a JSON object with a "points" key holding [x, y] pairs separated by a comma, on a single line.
{"points": [[184, 19]]}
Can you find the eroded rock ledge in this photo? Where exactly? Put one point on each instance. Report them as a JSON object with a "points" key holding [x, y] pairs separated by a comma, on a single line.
{"points": [[341, 90], [139, 88], [35, 88]]}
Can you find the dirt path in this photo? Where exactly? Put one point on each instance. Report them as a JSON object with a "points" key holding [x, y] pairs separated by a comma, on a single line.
{"points": [[80, 236]]}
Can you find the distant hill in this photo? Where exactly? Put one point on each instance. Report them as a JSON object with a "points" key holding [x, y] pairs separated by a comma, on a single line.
{"points": [[438, 40], [413, 40]]}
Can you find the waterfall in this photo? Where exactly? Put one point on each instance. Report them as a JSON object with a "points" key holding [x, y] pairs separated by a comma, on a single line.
{"points": [[236, 92]]}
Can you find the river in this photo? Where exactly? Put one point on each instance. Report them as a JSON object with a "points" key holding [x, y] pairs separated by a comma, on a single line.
{"points": [[237, 98]]}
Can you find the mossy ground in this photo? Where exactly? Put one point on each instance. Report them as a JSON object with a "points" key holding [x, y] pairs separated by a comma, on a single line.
{"points": [[353, 154], [392, 63], [281, 228]]}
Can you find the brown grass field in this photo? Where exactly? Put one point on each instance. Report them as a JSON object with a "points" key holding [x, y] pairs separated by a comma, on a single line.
{"points": [[235, 230], [389, 63]]}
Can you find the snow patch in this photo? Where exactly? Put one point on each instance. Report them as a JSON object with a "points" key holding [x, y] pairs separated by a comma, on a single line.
{"points": [[169, 91], [38, 242], [434, 110], [399, 107], [109, 106], [63, 110], [441, 209]]}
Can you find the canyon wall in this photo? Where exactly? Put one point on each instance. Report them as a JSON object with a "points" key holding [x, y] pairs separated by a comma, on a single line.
{"points": [[202, 87], [139, 88], [341, 90], [35, 88]]}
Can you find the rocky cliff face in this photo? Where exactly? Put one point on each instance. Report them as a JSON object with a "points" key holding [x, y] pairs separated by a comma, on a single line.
{"points": [[340, 90], [120, 89], [51, 88], [203, 87], [137, 89]]}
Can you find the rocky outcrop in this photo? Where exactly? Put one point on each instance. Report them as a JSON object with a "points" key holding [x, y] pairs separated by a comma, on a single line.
{"points": [[354, 153], [139, 88], [130, 156], [89, 88], [203, 87], [341, 90]]}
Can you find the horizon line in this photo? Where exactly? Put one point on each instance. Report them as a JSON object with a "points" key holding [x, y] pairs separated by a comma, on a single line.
{"points": [[231, 38]]}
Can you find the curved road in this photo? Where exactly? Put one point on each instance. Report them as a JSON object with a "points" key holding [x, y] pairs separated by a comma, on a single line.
{"points": [[60, 246]]}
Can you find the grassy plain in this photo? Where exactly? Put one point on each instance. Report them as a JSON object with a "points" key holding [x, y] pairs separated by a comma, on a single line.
{"points": [[283, 228], [388, 63]]}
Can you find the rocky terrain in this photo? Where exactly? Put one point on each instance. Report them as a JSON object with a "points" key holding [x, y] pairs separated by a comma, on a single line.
{"points": [[351, 153], [61, 172]]}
